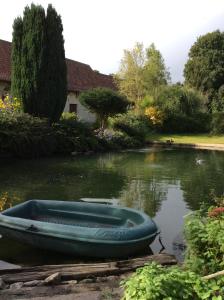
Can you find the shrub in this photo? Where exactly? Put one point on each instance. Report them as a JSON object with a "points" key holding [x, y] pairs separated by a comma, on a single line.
{"points": [[179, 123], [72, 135], [155, 115], [204, 233], [104, 103], [154, 282], [10, 104], [69, 116], [117, 140], [217, 123], [134, 125], [177, 109], [121, 140], [176, 99], [22, 135]]}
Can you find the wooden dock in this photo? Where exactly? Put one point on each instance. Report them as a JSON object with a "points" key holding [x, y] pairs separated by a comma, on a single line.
{"points": [[79, 279]]}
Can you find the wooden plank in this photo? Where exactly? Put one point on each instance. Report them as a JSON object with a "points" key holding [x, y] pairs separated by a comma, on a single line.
{"points": [[81, 271]]}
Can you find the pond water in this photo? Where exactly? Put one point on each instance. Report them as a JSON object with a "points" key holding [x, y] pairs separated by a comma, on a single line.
{"points": [[165, 183]]}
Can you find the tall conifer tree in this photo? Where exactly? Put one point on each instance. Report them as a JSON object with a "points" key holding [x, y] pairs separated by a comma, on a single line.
{"points": [[38, 62], [16, 56], [56, 72]]}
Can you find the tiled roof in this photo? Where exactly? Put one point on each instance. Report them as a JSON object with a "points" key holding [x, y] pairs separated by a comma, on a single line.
{"points": [[5, 60], [80, 76]]}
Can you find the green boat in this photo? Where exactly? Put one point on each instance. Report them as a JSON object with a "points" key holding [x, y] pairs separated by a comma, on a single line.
{"points": [[79, 228]]}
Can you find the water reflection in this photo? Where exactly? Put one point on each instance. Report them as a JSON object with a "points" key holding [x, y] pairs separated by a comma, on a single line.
{"points": [[6, 200], [143, 195], [165, 184]]}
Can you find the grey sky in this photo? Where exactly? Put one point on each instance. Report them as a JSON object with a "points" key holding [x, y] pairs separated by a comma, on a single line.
{"points": [[97, 31]]}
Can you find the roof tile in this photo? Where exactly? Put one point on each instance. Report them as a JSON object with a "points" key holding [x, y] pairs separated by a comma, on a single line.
{"points": [[80, 76]]}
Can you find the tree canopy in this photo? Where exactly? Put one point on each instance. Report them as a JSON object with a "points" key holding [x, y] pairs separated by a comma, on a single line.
{"points": [[155, 73], [38, 62], [176, 99], [130, 75], [204, 69], [104, 103], [141, 72]]}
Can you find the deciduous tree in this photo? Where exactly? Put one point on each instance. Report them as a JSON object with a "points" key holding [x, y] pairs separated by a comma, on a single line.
{"points": [[155, 72], [204, 69], [141, 72], [130, 74]]}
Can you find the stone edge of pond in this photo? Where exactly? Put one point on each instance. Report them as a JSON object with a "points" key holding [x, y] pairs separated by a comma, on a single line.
{"points": [[217, 147]]}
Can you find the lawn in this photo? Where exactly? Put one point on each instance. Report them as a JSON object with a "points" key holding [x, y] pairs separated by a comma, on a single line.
{"points": [[188, 138]]}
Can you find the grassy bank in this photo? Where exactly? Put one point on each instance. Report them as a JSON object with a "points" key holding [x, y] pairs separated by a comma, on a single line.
{"points": [[187, 138]]}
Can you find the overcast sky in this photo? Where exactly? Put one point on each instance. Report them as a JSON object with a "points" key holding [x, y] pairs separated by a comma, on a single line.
{"points": [[97, 31]]}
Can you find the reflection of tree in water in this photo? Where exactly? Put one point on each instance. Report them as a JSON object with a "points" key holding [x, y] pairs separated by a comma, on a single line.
{"points": [[60, 179], [196, 180], [143, 195], [7, 201], [141, 179], [206, 179], [110, 160]]}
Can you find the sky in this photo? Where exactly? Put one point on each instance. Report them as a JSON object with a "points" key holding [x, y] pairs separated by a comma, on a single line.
{"points": [[97, 31]]}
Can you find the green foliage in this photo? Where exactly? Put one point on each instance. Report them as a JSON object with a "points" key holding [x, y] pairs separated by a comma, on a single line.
{"points": [[22, 135], [155, 73], [146, 102], [154, 282], [117, 140], [142, 72], [74, 136], [180, 123], [38, 62], [69, 116], [204, 234], [28, 58], [183, 110], [204, 69], [10, 104], [218, 104], [25, 136], [205, 242], [134, 125], [217, 123], [104, 102], [176, 99], [55, 77], [16, 71], [130, 76]]}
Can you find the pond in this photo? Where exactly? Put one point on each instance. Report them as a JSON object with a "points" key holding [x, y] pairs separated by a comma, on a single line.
{"points": [[165, 183]]}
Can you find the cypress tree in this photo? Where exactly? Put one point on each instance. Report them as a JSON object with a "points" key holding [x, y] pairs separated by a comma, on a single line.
{"points": [[32, 59], [16, 57], [38, 62], [56, 72]]}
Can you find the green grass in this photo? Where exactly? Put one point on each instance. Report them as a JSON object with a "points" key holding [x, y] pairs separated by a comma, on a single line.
{"points": [[188, 138]]}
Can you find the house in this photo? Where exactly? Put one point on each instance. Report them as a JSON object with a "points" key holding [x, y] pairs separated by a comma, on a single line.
{"points": [[80, 77]]}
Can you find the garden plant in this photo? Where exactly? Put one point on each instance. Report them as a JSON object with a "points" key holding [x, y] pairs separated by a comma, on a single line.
{"points": [[201, 276]]}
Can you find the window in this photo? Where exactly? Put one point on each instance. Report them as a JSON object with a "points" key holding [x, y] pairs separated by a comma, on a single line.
{"points": [[73, 108]]}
